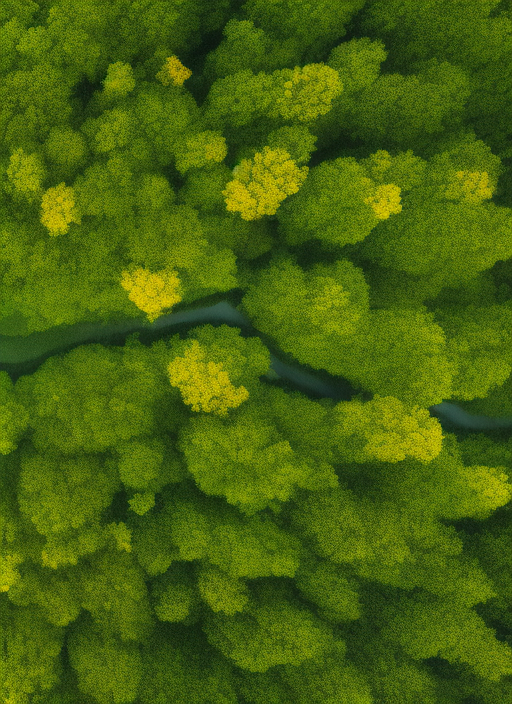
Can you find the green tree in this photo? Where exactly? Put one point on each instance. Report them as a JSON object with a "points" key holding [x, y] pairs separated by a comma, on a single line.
{"points": [[463, 33], [357, 63], [297, 140], [174, 239], [400, 352], [119, 80], [111, 585], [330, 587], [26, 174], [200, 149], [452, 196], [113, 129], [308, 313], [145, 466], [31, 653], [247, 47], [66, 149], [52, 591], [57, 493], [94, 397], [408, 110], [13, 416], [193, 526], [238, 99], [33, 100], [107, 188], [393, 674], [275, 630], [479, 340], [163, 114], [427, 627], [337, 204], [392, 542], [257, 467], [108, 669], [182, 665], [425, 241], [221, 591], [315, 25]]}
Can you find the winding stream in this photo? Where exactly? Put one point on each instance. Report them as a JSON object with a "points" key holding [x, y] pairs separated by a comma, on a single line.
{"points": [[23, 355]]}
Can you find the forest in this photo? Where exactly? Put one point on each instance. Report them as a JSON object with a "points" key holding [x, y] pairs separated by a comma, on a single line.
{"points": [[175, 528]]}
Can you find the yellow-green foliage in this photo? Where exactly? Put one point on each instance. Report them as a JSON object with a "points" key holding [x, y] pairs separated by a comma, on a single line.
{"points": [[310, 314], [65, 147], [261, 184], [404, 169], [469, 187], [58, 209], [173, 72], [479, 342], [257, 469], [385, 201], [201, 149], [26, 173], [119, 80], [205, 386], [152, 292], [385, 430], [306, 92]]}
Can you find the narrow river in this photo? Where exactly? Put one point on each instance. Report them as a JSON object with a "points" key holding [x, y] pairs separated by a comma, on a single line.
{"points": [[23, 355]]}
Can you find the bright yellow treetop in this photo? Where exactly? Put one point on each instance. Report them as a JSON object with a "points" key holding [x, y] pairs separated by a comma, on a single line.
{"points": [[173, 72], [385, 201], [58, 209], [152, 293], [204, 386], [262, 183], [470, 187]]}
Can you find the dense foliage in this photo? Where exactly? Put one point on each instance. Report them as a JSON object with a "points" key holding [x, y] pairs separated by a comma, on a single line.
{"points": [[172, 527]]}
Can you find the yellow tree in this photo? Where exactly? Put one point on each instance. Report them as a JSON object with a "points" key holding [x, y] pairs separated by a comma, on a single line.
{"points": [[262, 183], [58, 209], [204, 386], [173, 72], [152, 293], [385, 201]]}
